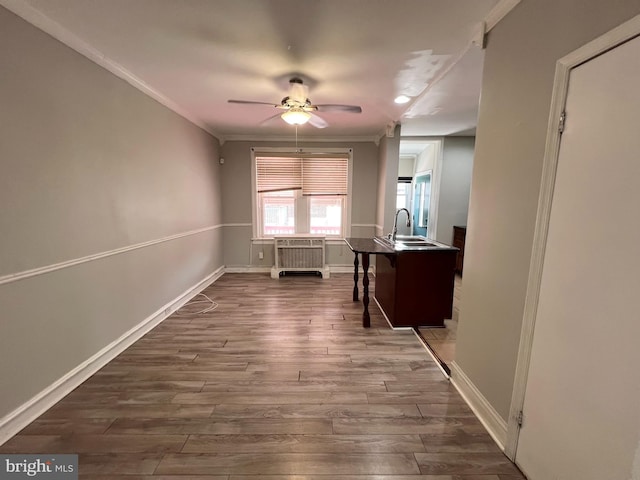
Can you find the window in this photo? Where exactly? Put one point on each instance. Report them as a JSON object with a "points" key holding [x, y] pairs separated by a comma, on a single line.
{"points": [[299, 193], [278, 213], [326, 215], [403, 194]]}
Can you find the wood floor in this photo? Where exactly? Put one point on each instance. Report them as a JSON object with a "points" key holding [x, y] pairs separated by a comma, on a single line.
{"points": [[280, 382], [443, 340]]}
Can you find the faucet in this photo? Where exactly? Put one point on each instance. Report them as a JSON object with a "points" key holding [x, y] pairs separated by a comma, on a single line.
{"points": [[395, 223]]}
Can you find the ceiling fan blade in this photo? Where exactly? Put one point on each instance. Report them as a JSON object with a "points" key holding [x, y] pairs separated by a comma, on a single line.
{"points": [[329, 107], [269, 119], [317, 121], [249, 102]]}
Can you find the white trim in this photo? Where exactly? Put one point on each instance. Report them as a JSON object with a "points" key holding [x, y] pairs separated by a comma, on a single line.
{"points": [[247, 269], [255, 233], [347, 205], [330, 241], [488, 416], [14, 277], [618, 35], [498, 12], [287, 138], [40, 20], [436, 180], [16, 420], [303, 150], [424, 344], [346, 268], [235, 225], [259, 269], [262, 241], [347, 151]]}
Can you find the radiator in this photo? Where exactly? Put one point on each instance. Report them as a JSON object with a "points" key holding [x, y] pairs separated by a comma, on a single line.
{"points": [[299, 254]]}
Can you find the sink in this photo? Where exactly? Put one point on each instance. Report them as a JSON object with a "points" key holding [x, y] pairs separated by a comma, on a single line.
{"points": [[416, 243], [410, 238], [383, 241], [406, 242]]}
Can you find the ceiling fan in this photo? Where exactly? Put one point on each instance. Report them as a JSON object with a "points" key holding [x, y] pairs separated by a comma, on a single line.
{"points": [[299, 110]]}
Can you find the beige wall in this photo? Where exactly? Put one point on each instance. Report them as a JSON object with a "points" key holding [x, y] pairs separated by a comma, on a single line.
{"points": [[518, 77], [455, 184], [240, 251], [89, 165]]}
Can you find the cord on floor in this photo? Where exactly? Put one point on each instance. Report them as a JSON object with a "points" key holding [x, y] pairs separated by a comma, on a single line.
{"points": [[211, 306]]}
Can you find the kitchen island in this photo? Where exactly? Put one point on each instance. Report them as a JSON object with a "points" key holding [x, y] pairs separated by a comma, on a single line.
{"points": [[414, 279]]}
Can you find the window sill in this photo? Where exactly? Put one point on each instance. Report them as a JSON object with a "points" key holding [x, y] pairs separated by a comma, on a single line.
{"points": [[269, 240]]}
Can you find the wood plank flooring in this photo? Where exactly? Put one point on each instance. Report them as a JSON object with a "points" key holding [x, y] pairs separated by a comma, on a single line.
{"points": [[280, 382], [443, 340]]}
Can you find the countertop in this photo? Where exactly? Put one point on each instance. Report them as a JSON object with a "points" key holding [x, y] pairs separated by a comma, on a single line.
{"points": [[369, 245]]}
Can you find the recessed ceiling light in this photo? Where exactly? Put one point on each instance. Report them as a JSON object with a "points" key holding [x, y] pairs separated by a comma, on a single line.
{"points": [[402, 99]]}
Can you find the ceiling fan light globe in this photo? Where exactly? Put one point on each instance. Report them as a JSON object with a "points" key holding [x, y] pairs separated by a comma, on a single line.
{"points": [[296, 116]]}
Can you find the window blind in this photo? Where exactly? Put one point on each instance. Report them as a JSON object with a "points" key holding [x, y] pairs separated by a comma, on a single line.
{"points": [[275, 174], [314, 176], [324, 176]]}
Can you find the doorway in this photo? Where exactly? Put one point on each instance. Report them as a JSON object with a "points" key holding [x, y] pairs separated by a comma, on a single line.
{"points": [[425, 167], [421, 204]]}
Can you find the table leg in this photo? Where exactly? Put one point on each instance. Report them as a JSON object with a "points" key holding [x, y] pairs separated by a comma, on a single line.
{"points": [[366, 321], [355, 278]]}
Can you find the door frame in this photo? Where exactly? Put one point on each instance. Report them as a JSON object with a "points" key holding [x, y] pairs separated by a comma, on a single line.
{"points": [[436, 174], [609, 40], [414, 204]]}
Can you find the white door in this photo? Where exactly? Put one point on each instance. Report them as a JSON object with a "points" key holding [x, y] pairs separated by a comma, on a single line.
{"points": [[582, 401]]}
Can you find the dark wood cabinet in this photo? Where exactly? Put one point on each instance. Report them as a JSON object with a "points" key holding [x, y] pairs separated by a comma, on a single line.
{"points": [[459, 236], [416, 288]]}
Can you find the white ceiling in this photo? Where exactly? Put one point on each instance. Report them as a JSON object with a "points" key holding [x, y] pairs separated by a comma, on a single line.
{"points": [[194, 55]]}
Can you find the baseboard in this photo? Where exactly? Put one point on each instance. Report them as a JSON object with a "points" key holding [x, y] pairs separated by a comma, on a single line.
{"points": [[487, 415], [247, 269], [40, 403], [257, 269], [349, 269]]}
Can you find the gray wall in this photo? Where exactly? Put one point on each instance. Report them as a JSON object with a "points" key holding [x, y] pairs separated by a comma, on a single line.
{"points": [[240, 251], [517, 82], [406, 166], [426, 159], [88, 166], [455, 183], [388, 165]]}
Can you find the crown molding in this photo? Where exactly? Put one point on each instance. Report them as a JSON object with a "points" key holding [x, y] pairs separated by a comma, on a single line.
{"points": [[288, 138], [498, 12], [54, 29]]}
